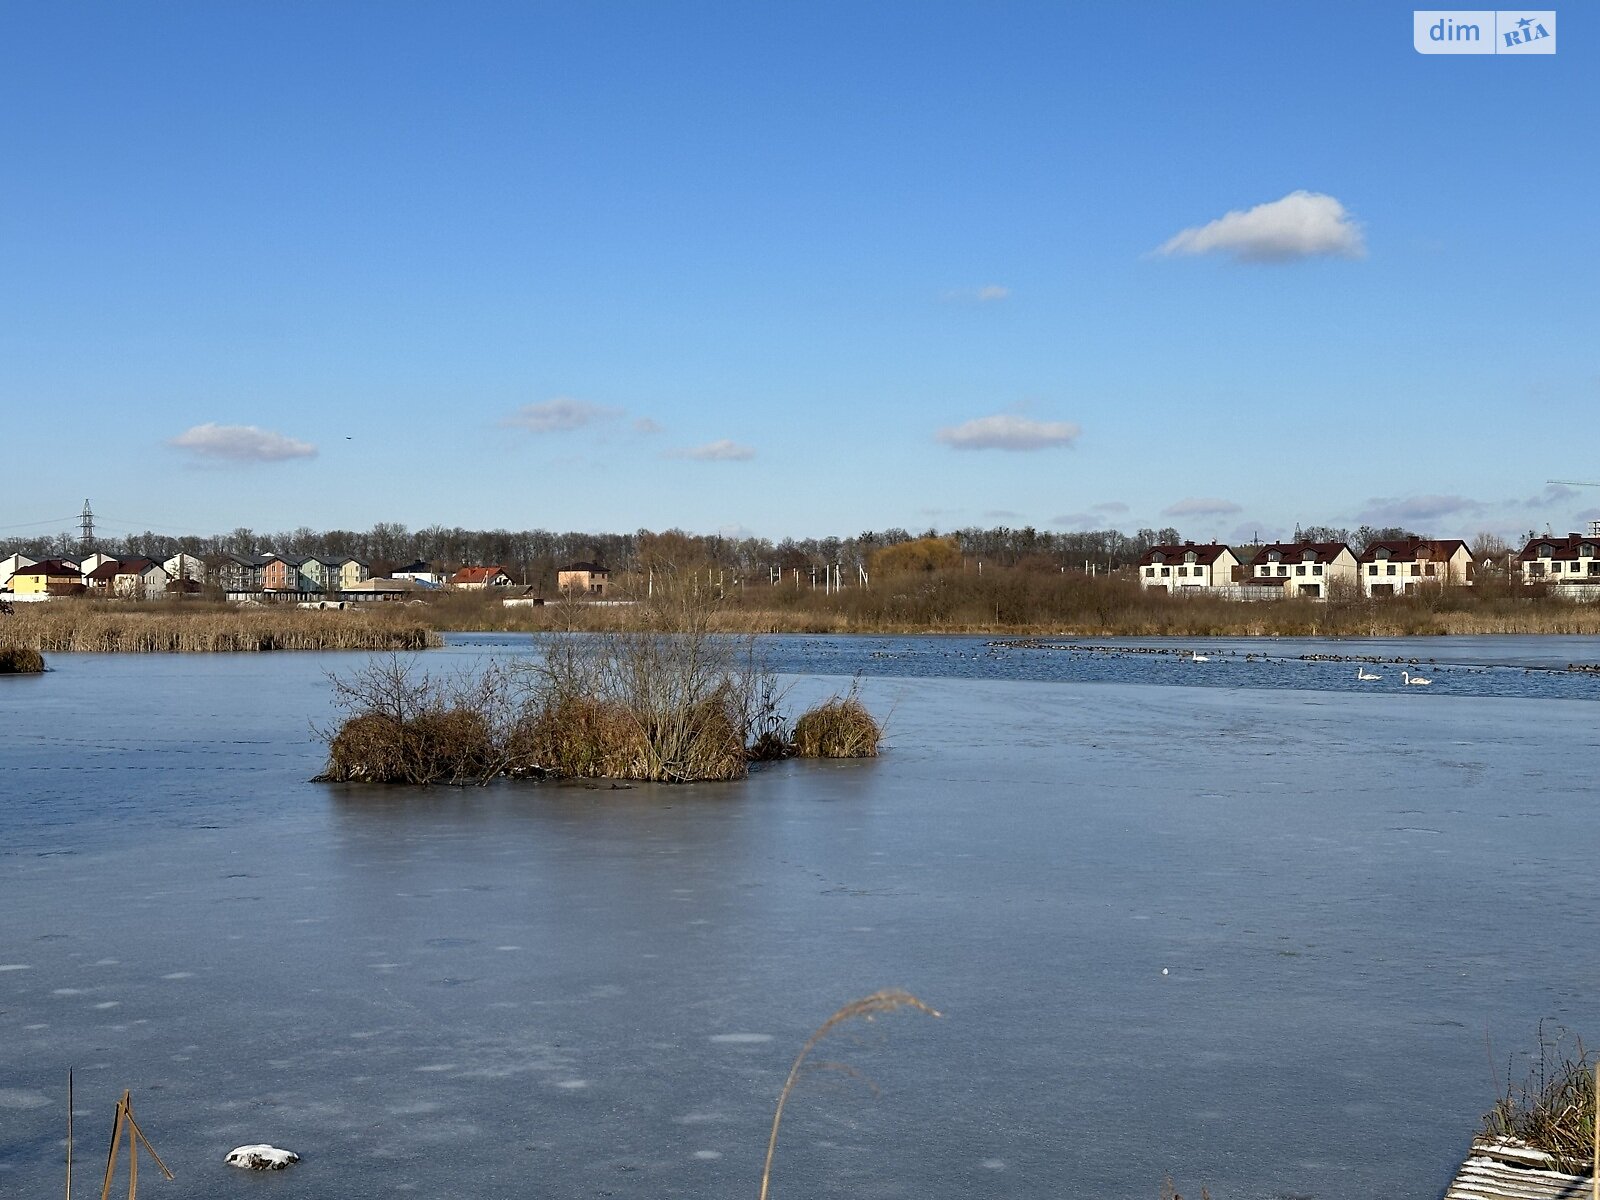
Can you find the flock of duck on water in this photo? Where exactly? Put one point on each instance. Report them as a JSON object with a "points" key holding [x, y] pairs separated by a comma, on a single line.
{"points": [[1362, 673]]}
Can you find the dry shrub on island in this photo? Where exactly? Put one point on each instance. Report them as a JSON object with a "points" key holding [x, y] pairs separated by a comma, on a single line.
{"points": [[840, 727], [668, 698], [20, 660]]}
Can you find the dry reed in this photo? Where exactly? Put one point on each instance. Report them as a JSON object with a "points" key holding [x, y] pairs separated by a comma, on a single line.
{"points": [[86, 626], [840, 727], [865, 1009], [1553, 1109]]}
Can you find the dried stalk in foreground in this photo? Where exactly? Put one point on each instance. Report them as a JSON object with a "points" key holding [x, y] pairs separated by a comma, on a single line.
{"points": [[865, 1008]]}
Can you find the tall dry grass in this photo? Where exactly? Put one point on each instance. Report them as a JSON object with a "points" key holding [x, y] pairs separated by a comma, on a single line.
{"points": [[1553, 1108], [89, 626], [839, 727]]}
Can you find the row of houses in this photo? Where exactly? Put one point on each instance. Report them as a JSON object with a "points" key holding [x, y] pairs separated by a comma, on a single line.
{"points": [[266, 576], [1383, 568]]}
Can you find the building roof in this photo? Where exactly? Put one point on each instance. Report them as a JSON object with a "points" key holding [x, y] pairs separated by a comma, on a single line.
{"points": [[1567, 548], [1204, 555], [1295, 552], [50, 566], [106, 571], [417, 568], [137, 566], [592, 568], [1411, 550], [477, 574]]}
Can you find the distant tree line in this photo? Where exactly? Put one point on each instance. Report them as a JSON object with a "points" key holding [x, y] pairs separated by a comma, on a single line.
{"points": [[534, 555]]}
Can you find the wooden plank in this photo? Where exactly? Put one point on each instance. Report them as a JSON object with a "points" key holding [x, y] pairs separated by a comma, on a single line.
{"points": [[1501, 1170]]}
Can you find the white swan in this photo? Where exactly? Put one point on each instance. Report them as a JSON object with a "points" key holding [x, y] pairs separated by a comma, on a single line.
{"points": [[1363, 674], [1415, 680], [1196, 657]]}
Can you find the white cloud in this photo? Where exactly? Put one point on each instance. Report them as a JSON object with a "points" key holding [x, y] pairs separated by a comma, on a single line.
{"points": [[1110, 506], [1201, 506], [991, 292], [646, 425], [241, 443], [1001, 514], [1301, 225], [1004, 431], [721, 450], [561, 415]]}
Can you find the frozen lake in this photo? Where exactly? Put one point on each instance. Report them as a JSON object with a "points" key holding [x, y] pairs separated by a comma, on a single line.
{"points": [[1364, 899]]}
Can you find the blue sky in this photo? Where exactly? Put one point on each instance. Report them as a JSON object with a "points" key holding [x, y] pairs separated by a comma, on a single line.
{"points": [[792, 269]]}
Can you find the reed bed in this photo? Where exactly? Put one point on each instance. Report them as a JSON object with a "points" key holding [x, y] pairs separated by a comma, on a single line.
{"points": [[1022, 601], [840, 727], [74, 626], [1553, 1109], [20, 660]]}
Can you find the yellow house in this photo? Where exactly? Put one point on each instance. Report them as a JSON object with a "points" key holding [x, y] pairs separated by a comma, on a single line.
{"points": [[52, 577], [586, 578]]}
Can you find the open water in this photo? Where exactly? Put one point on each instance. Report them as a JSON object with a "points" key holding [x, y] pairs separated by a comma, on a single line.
{"points": [[1248, 922]]}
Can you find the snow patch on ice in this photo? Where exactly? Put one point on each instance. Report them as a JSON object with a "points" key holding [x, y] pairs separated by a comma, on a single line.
{"points": [[16, 966], [22, 1098], [179, 975], [993, 1164], [436, 1068], [708, 1155], [109, 1004], [740, 1039], [573, 1085]]}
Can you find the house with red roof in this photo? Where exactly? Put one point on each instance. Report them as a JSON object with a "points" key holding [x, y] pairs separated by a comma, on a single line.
{"points": [[1173, 568], [1397, 566], [475, 579], [1302, 568], [1571, 559]]}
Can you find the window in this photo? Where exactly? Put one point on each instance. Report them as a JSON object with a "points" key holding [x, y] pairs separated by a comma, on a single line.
{"points": [[1282, 570], [1300, 569], [1183, 570], [1165, 571], [1150, 571], [1416, 568], [1317, 570], [1429, 570], [1391, 569], [1373, 569]]}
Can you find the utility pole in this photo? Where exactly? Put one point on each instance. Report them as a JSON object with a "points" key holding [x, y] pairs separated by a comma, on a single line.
{"points": [[86, 524]]}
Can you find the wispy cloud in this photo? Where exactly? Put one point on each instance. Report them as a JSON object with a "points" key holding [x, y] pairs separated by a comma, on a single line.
{"points": [[721, 450], [1114, 507], [1201, 506], [241, 443], [1006, 431], [1301, 225], [646, 425], [1399, 510], [989, 293], [560, 415], [1001, 514]]}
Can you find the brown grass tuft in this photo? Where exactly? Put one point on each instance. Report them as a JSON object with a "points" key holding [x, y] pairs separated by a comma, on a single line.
{"points": [[20, 660], [840, 727], [1553, 1109]]}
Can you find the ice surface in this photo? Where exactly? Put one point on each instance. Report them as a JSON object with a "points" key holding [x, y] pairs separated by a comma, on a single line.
{"points": [[1029, 853]]}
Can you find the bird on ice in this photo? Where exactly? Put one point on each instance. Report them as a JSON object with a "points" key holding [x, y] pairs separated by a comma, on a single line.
{"points": [[261, 1157]]}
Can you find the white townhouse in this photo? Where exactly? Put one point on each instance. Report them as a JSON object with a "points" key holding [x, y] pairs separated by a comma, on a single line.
{"points": [[185, 566], [1302, 568], [1174, 568], [1395, 567], [1570, 559]]}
